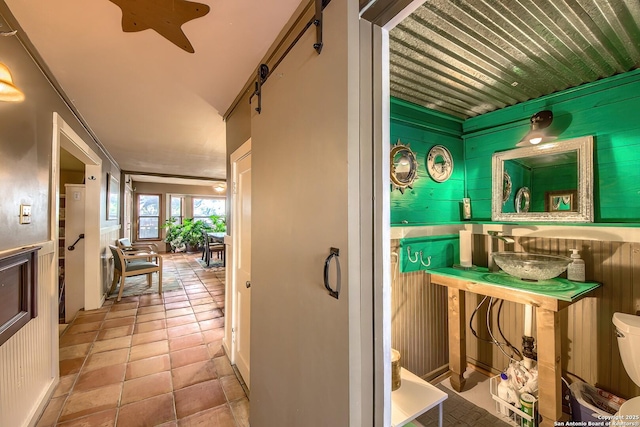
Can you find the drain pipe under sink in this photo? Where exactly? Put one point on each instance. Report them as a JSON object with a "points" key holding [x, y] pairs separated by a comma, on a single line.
{"points": [[527, 338]]}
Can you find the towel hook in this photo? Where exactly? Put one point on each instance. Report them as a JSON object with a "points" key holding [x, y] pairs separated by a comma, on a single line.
{"points": [[409, 255], [428, 259]]}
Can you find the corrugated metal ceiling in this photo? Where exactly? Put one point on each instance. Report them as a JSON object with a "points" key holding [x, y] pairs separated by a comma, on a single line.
{"points": [[467, 58]]}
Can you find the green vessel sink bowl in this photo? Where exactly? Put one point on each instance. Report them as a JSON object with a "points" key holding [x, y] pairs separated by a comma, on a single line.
{"points": [[531, 267]]}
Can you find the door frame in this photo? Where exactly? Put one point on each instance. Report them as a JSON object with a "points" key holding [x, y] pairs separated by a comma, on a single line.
{"points": [[65, 137], [228, 342]]}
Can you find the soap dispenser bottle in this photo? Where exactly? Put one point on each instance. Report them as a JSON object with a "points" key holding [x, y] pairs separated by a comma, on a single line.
{"points": [[575, 270]]}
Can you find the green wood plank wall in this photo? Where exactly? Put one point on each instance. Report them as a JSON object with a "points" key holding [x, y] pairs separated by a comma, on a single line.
{"points": [[607, 109], [429, 202]]}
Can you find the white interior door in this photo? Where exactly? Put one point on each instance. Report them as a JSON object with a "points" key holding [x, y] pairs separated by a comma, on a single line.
{"points": [[74, 263], [305, 344], [242, 264]]}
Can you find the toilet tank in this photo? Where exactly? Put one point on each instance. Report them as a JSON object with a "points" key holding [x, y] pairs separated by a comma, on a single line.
{"points": [[628, 331]]}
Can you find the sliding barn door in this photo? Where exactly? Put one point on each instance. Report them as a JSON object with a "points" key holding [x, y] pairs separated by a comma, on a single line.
{"points": [[305, 196]]}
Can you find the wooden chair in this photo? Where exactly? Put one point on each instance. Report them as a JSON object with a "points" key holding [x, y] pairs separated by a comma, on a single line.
{"points": [[136, 248], [134, 264], [210, 247]]}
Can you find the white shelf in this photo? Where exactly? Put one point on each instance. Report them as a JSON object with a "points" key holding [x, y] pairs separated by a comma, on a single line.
{"points": [[414, 397]]}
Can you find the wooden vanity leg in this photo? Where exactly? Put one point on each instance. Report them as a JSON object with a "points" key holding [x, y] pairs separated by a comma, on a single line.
{"points": [[549, 370], [457, 338]]}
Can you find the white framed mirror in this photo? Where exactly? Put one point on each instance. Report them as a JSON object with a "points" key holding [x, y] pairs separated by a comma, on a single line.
{"points": [[558, 176]]}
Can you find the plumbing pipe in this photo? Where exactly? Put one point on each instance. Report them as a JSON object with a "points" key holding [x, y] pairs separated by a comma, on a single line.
{"points": [[527, 338], [528, 320]]}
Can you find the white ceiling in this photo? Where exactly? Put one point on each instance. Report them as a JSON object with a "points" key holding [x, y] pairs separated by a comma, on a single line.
{"points": [[153, 106]]}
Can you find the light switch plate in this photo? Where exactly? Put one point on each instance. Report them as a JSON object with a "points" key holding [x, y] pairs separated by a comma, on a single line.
{"points": [[25, 214]]}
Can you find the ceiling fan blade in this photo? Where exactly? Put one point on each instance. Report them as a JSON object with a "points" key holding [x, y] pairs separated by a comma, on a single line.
{"points": [[163, 16]]}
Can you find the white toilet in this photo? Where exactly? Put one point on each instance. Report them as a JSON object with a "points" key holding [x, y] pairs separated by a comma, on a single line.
{"points": [[628, 331]]}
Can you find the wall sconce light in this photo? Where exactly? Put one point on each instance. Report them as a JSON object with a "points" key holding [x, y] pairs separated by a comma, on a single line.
{"points": [[8, 91], [538, 131]]}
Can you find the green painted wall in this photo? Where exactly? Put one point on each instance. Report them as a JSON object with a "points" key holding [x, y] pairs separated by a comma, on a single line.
{"points": [[429, 202], [607, 109]]}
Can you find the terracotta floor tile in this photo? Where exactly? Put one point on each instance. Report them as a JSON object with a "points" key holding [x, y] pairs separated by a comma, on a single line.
{"points": [[188, 356], [208, 315], [104, 309], [223, 367], [175, 298], [74, 351], [100, 377], [149, 326], [122, 321], [158, 315], [149, 412], [84, 327], [150, 309], [181, 320], [100, 419], [73, 339], [192, 374], [201, 301], [190, 328], [65, 384], [111, 344], [178, 312], [124, 306], [147, 337], [145, 387], [185, 341], [120, 331], [176, 305], [198, 397], [51, 412], [151, 365], [150, 301], [204, 307], [240, 409], [215, 349], [232, 388], [115, 314], [106, 358], [220, 416], [144, 351], [211, 335], [212, 324], [90, 318], [89, 402], [71, 366]]}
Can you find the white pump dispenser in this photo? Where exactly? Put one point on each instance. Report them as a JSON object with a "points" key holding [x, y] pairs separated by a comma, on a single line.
{"points": [[575, 270]]}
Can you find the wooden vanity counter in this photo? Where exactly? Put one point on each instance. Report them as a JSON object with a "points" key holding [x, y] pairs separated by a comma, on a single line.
{"points": [[548, 297]]}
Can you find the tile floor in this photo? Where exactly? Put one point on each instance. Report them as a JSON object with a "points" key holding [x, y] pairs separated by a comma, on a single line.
{"points": [[151, 360]]}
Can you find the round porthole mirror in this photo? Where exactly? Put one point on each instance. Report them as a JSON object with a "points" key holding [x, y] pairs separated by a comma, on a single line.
{"points": [[523, 199], [404, 167]]}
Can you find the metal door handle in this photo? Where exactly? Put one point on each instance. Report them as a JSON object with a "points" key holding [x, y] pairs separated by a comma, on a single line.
{"points": [[248, 284], [334, 254]]}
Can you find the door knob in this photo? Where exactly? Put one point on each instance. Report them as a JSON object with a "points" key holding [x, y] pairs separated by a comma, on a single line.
{"points": [[248, 284]]}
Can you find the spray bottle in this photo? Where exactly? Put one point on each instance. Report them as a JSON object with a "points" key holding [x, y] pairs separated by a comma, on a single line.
{"points": [[575, 270]]}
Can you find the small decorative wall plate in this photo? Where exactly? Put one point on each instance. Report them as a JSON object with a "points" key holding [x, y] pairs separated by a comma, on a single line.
{"points": [[439, 163]]}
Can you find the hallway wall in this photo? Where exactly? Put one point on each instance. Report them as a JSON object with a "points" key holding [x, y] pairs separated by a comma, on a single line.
{"points": [[29, 359]]}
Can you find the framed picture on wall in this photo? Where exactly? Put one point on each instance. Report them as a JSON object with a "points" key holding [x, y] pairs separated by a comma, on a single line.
{"points": [[113, 197]]}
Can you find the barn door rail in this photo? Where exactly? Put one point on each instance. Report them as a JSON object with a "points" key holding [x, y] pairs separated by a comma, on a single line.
{"points": [[263, 72]]}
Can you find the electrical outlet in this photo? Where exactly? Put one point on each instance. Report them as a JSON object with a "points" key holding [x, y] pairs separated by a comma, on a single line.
{"points": [[25, 214]]}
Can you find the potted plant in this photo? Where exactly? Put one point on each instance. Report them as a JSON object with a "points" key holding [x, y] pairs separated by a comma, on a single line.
{"points": [[191, 233], [219, 223], [174, 235]]}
